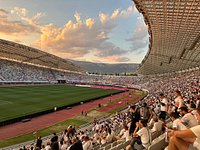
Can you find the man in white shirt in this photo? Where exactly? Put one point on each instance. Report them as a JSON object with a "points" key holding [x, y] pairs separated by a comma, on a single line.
{"points": [[87, 144], [186, 139], [143, 133], [188, 119], [177, 124], [157, 125], [124, 134], [109, 137], [164, 106], [63, 145], [96, 137]]}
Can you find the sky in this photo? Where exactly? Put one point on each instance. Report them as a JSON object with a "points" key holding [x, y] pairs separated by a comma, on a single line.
{"points": [[106, 31]]}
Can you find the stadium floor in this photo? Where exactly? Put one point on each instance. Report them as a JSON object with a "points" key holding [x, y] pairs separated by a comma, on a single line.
{"points": [[20, 101], [37, 123]]}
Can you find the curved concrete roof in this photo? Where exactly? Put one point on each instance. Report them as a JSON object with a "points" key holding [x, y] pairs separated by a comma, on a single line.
{"points": [[174, 29], [24, 54]]}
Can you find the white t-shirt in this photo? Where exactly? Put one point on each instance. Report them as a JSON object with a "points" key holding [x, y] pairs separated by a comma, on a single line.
{"points": [[157, 126], [143, 133], [179, 101], [157, 109], [103, 141], [164, 108], [97, 127], [87, 145], [177, 124], [194, 113], [48, 147], [151, 123], [64, 147], [122, 132], [197, 103], [96, 138], [126, 136], [196, 131], [109, 138], [190, 120]]}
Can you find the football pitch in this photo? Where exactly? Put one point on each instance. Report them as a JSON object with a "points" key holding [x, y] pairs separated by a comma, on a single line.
{"points": [[20, 101]]}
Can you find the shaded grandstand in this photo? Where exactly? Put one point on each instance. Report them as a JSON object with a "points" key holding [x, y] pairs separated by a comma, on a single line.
{"points": [[174, 30], [29, 55]]}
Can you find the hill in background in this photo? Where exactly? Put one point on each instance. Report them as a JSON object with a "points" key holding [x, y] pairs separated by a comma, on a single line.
{"points": [[104, 68]]}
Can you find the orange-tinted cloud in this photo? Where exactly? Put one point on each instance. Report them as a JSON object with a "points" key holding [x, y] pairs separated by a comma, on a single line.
{"points": [[80, 38], [75, 39], [89, 23], [23, 26]]}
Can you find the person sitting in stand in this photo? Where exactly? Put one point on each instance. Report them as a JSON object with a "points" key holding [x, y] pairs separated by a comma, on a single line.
{"points": [[141, 136], [188, 139]]}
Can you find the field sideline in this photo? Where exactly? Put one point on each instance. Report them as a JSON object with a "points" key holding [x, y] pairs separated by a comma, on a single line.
{"points": [[17, 101]]}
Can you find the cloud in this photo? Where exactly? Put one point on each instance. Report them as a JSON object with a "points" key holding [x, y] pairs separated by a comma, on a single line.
{"points": [[19, 11], [135, 9], [116, 14], [103, 17], [3, 13], [14, 27], [89, 23], [75, 39], [22, 26], [82, 37], [22, 13], [139, 39], [108, 49], [108, 59], [128, 12], [113, 59]]}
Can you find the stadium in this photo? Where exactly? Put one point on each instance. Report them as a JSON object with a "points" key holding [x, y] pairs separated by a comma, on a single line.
{"points": [[50, 103]]}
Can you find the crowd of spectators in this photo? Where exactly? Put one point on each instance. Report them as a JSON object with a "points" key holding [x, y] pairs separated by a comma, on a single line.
{"points": [[137, 126], [171, 109], [11, 71], [14, 71]]}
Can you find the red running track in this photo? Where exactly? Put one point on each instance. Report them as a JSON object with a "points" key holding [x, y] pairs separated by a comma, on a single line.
{"points": [[43, 121]]}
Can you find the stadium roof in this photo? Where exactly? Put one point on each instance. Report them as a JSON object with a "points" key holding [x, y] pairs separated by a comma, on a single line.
{"points": [[174, 29], [24, 54]]}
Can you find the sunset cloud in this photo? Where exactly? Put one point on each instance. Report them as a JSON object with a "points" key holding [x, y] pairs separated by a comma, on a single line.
{"points": [[22, 26], [22, 12], [77, 38], [82, 37], [114, 59], [89, 22], [103, 17]]}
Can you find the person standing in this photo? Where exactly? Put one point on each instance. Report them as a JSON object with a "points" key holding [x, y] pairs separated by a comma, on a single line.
{"points": [[39, 142], [135, 117], [145, 112], [164, 107], [178, 101]]}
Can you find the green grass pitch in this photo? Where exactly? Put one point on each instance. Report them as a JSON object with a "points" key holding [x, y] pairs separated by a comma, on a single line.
{"points": [[18, 101]]}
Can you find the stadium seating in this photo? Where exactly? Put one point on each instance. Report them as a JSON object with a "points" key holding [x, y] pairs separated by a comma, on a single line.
{"points": [[187, 82]]}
